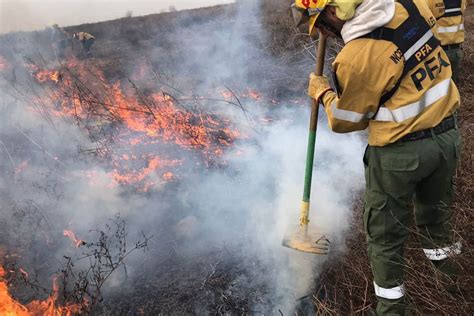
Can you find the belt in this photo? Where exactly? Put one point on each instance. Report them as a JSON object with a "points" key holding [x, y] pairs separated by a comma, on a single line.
{"points": [[446, 124], [451, 46]]}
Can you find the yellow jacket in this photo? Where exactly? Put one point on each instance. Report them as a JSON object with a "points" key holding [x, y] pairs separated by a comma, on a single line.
{"points": [[367, 69], [83, 36], [450, 20]]}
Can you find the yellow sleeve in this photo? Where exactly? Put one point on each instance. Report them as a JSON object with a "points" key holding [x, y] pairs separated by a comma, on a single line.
{"points": [[362, 80]]}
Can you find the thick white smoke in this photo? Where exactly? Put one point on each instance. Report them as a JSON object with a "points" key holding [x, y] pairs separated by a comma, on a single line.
{"points": [[259, 203]]}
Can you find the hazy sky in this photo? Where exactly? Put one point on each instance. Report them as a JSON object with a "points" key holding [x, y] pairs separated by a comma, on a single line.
{"points": [[28, 15]]}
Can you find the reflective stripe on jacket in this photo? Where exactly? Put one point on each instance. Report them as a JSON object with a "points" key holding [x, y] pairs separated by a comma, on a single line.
{"points": [[450, 20], [412, 70]]}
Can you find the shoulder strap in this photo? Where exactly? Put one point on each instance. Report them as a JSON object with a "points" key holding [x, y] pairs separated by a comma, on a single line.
{"points": [[412, 35]]}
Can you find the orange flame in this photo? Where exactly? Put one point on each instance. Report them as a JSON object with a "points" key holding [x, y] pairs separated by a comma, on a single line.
{"points": [[228, 95], [45, 75], [8, 306], [155, 119], [49, 307], [168, 176], [71, 235], [3, 63], [137, 176], [252, 94]]}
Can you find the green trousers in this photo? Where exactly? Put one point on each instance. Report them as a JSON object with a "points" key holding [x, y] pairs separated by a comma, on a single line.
{"points": [[455, 57], [398, 177]]}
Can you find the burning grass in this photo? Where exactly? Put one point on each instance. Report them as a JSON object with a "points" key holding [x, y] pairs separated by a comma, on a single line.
{"points": [[134, 121], [147, 134], [49, 306], [9, 306], [77, 288]]}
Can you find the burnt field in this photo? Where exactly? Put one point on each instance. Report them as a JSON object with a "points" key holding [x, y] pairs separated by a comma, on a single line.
{"points": [[159, 174]]}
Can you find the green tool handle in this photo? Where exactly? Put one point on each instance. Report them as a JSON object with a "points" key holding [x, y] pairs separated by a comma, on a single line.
{"points": [[312, 134]]}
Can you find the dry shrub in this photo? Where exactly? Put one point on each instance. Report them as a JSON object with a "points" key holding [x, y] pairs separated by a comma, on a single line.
{"points": [[277, 22]]}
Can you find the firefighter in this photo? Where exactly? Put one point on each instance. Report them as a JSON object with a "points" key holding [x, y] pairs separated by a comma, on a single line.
{"points": [[86, 40], [450, 29], [393, 77]]}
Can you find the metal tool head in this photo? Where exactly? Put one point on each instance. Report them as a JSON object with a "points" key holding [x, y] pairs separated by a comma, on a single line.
{"points": [[307, 239]]}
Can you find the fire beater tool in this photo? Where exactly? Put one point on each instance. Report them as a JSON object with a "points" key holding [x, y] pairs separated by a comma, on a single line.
{"points": [[304, 237]]}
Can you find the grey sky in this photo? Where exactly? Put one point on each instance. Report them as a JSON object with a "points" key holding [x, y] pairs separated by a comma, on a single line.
{"points": [[25, 15]]}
